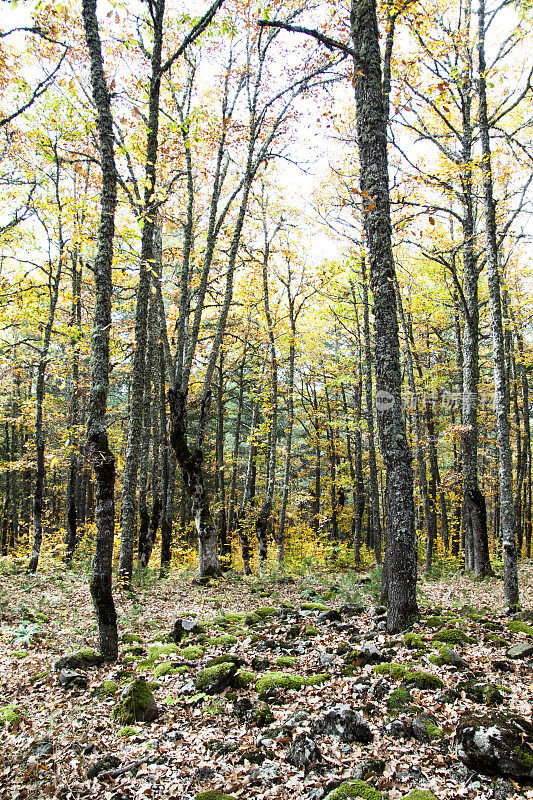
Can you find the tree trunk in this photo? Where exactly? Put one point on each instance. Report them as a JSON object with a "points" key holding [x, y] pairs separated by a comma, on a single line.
{"points": [[248, 495], [236, 444], [223, 538], [501, 395], [373, 166], [148, 210], [71, 537], [102, 456]]}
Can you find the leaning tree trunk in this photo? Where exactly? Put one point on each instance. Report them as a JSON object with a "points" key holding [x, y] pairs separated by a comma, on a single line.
{"points": [[371, 121], [102, 456], [501, 394]]}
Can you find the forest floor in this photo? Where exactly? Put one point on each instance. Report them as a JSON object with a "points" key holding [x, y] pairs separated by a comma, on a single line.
{"points": [[201, 742]]}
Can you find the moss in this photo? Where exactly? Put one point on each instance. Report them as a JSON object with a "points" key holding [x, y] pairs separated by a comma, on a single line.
{"points": [[317, 680], [134, 703], [497, 641], [223, 640], [164, 668], [243, 679], [309, 630], [210, 676], [432, 731], [134, 650], [131, 638], [146, 663], [252, 619], [39, 676], [517, 626], [80, 659], [398, 699], [127, 731], [107, 689], [390, 668], [285, 662], [191, 653], [235, 619], [157, 650], [279, 680], [354, 789], [422, 680], [214, 795], [217, 622], [131, 660], [492, 695], [413, 641], [20, 653], [314, 607], [10, 715], [420, 794], [266, 611], [452, 636], [262, 715], [434, 622]]}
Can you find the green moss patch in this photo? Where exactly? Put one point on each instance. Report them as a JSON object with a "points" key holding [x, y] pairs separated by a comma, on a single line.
{"points": [[390, 668], [10, 715], [127, 731], [420, 794], [314, 607], [517, 626], [243, 679], [107, 689], [354, 789], [191, 653], [451, 636], [223, 639], [413, 641], [214, 796], [136, 704], [279, 680], [266, 611], [216, 678], [155, 651], [399, 699], [422, 680], [285, 662]]}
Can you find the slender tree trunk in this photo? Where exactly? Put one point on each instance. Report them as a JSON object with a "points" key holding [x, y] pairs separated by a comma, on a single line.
{"points": [[371, 121], [223, 538], [103, 458], [135, 421], [373, 506], [38, 494], [71, 537], [280, 536], [501, 394], [248, 495]]}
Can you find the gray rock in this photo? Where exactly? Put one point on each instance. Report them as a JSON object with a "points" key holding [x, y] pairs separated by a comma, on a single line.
{"points": [[73, 678], [44, 747], [183, 627], [295, 719], [380, 689], [326, 659], [368, 768], [425, 729], [342, 721], [496, 744], [303, 752], [204, 774], [520, 651], [105, 764], [330, 616], [453, 659], [82, 659], [502, 789], [398, 729]]}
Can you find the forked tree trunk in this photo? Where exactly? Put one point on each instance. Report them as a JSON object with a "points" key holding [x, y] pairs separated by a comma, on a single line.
{"points": [[102, 456]]}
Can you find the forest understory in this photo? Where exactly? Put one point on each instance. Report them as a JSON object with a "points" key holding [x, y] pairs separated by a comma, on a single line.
{"points": [[221, 739]]}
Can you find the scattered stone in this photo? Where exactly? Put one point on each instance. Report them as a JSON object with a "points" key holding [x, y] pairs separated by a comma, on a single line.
{"points": [[214, 679], [496, 744], [330, 616], [303, 752], [137, 704], [350, 610], [81, 659], [342, 721], [380, 689], [481, 692], [422, 680], [73, 678], [369, 768], [204, 774], [105, 764], [43, 748], [447, 696], [425, 729], [326, 659], [502, 666], [258, 714], [260, 664], [398, 729], [183, 627], [502, 789], [520, 651]]}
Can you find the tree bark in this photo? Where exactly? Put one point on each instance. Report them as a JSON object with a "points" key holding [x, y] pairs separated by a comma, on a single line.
{"points": [[71, 538], [102, 456], [371, 122], [501, 394]]}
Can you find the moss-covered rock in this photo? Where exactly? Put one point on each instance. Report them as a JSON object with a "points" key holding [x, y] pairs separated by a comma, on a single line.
{"points": [[496, 743], [252, 619], [164, 668], [10, 715], [235, 618], [314, 607], [222, 640], [127, 731], [243, 679], [452, 636], [425, 729], [191, 653], [213, 680], [420, 794], [131, 638], [155, 651], [309, 630], [390, 668], [494, 639], [350, 789], [214, 795], [266, 611], [399, 699], [422, 680], [518, 626], [413, 641], [107, 689], [434, 621], [279, 680], [285, 662], [137, 704], [80, 659], [317, 680]]}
